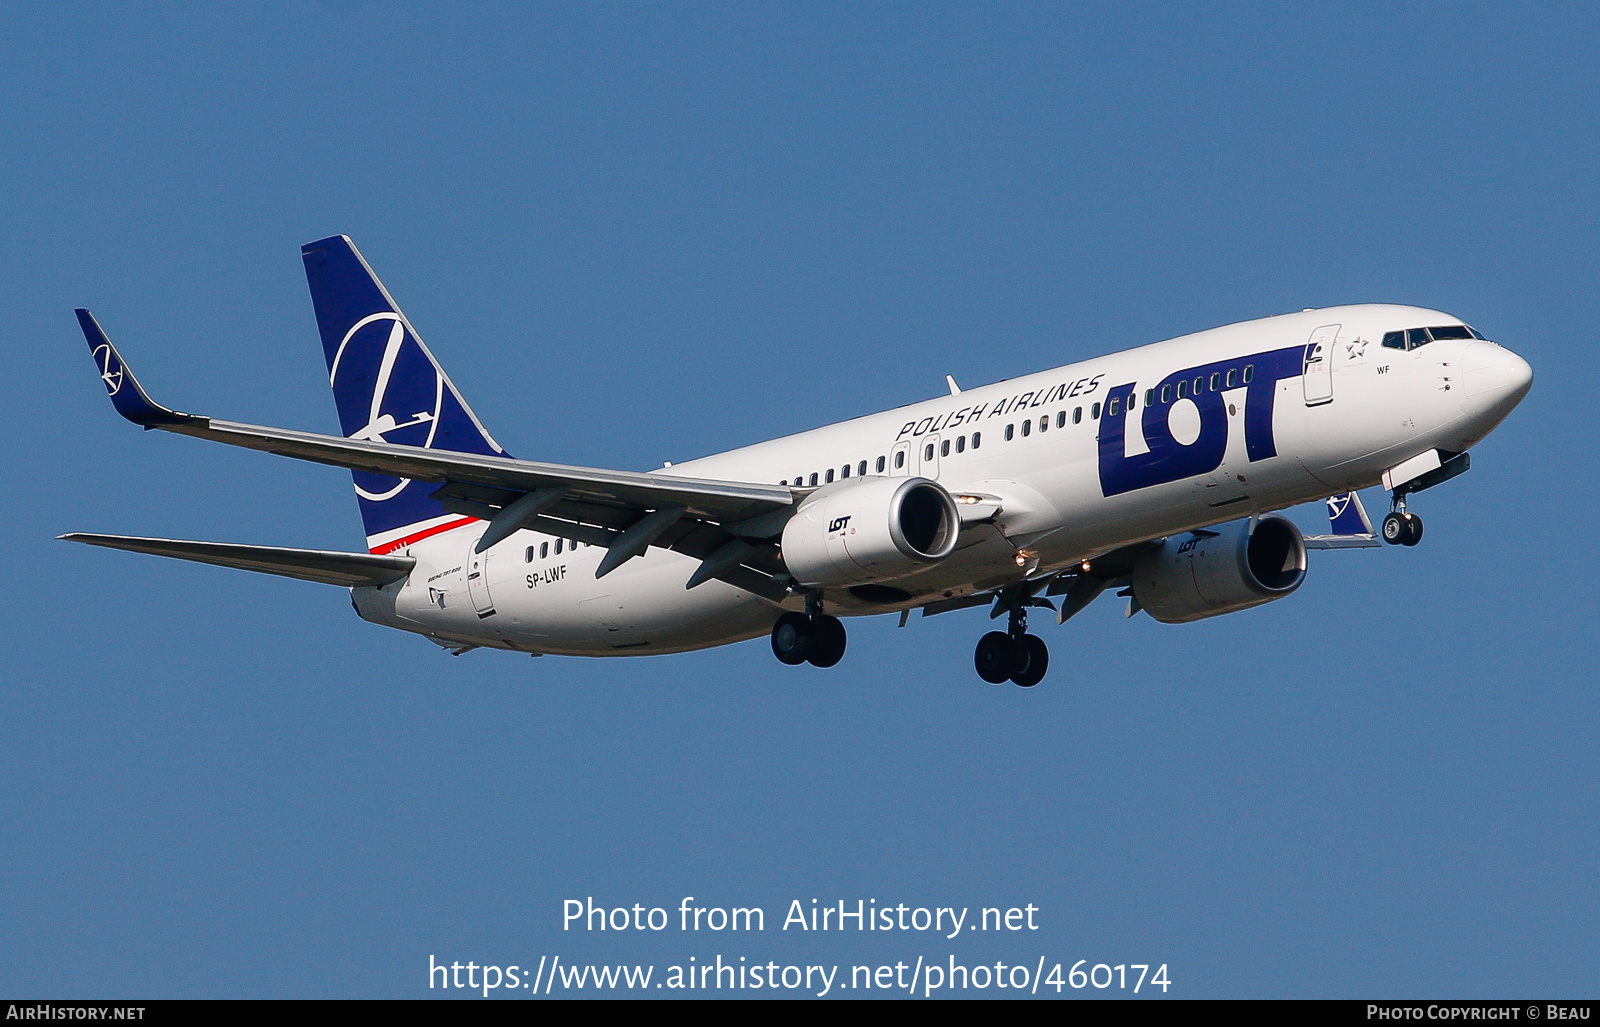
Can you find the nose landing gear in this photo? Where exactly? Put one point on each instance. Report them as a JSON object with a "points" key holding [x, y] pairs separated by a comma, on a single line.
{"points": [[1401, 528], [1012, 655], [811, 637]]}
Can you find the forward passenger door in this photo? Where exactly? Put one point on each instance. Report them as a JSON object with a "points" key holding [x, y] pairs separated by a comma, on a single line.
{"points": [[1319, 365]]}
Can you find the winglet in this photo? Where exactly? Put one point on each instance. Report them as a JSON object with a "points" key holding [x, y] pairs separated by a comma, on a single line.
{"points": [[127, 395], [1352, 528], [1346, 515]]}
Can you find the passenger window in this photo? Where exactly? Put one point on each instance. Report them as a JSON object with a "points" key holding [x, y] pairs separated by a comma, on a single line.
{"points": [[844, 472], [1183, 389], [944, 448], [1228, 381], [1416, 337], [1149, 397], [861, 469], [961, 444], [813, 478], [1009, 430], [829, 478], [1249, 373], [1044, 423], [1077, 415], [880, 465], [1027, 427], [544, 550], [1111, 407], [1130, 402], [1199, 386], [558, 545], [529, 557], [977, 437], [1061, 419], [1166, 393], [900, 459], [1094, 411], [1216, 379]]}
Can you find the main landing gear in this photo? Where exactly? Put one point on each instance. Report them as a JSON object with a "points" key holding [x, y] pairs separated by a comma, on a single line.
{"points": [[811, 637], [1012, 655], [1401, 528]]}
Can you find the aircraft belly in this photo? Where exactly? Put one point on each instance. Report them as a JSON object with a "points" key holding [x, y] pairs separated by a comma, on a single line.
{"points": [[641, 607]]}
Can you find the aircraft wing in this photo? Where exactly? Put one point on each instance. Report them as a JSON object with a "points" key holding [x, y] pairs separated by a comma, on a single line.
{"points": [[586, 504], [325, 566]]}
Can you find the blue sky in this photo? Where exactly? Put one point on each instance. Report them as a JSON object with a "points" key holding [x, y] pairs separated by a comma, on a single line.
{"points": [[646, 233]]}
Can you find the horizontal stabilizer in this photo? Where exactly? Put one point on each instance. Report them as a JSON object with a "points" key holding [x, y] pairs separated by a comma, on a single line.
{"points": [[329, 567]]}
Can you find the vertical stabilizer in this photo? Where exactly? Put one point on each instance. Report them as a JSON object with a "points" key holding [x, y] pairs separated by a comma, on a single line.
{"points": [[388, 388]]}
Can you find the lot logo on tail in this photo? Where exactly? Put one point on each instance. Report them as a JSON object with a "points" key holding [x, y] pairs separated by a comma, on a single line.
{"points": [[388, 390]]}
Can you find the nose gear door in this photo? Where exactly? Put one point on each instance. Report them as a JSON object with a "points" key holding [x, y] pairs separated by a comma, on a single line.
{"points": [[1318, 370]]}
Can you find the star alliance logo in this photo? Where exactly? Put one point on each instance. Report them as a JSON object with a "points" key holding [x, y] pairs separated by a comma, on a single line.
{"points": [[110, 369], [1355, 350]]}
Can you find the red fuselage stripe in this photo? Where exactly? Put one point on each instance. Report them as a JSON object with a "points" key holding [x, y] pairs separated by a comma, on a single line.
{"points": [[401, 543]]}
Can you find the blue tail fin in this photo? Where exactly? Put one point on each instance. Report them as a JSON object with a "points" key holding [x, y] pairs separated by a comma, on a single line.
{"points": [[389, 388]]}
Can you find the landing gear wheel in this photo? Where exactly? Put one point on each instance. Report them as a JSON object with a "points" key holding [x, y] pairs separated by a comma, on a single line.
{"points": [[996, 657], [1394, 529], [1029, 661], [793, 639], [827, 641], [1413, 533]]}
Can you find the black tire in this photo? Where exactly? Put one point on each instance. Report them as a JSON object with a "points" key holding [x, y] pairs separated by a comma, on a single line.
{"points": [[792, 639], [827, 642], [1031, 661], [1394, 529], [1413, 533], [995, 657]]}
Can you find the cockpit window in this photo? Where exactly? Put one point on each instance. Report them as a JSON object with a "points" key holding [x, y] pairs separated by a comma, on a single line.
{"points": [[1414, 337]]}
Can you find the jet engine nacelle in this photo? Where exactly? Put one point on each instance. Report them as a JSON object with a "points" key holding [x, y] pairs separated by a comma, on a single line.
{"points": [[1191, 577], [869, 529]]}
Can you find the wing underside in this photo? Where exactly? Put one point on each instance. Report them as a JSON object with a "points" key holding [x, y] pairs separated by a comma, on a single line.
{"points": [[329, 567]]}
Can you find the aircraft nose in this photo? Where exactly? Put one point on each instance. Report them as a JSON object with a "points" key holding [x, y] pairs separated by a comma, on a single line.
{"points": [[1494, 381]]}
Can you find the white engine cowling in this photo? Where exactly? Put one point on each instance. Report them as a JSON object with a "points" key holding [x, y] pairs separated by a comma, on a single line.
{"points": [[1188, 577], [869, 529]]}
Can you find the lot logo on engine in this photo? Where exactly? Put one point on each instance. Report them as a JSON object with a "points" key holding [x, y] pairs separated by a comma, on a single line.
{"points": [[839, 523]]}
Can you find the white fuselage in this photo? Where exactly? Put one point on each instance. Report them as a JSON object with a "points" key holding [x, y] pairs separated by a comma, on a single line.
{"points": [[1066, 492]]}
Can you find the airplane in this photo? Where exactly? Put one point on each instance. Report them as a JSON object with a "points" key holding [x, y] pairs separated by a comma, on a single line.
{"points": [[1154, 471]]}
